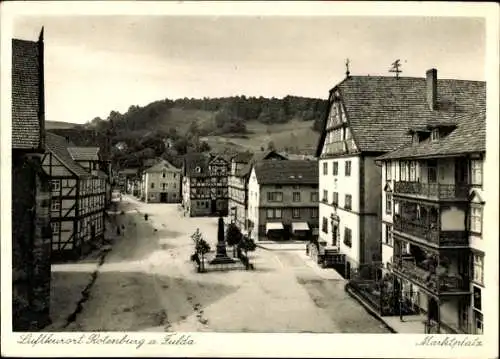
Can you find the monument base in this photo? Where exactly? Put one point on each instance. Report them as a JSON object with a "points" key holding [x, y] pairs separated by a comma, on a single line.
{"points": [[221, 256]]}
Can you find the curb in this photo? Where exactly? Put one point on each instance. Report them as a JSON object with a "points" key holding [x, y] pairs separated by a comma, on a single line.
{"points": [[372, 312], [278, 249]]}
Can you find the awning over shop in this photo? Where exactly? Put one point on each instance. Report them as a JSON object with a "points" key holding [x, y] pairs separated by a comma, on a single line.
{"points": [[300, 226], [274, 226]]}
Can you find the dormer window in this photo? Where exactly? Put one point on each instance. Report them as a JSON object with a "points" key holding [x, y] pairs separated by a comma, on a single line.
{"points": [[198, 169], [435, 134], [416, 138]]}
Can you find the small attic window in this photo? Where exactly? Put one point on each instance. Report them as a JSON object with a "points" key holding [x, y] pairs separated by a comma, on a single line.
{"points": [[300, 176], [292, 176], [435, 134], [198, 169], [416, 138]]}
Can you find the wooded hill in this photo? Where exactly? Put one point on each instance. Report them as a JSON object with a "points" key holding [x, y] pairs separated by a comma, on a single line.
{"points": [[174, 127]]}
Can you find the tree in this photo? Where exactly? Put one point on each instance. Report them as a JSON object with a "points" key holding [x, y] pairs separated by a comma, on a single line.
{"points": [[196, 236], [233, 236], [202, 248], [271, 146], [247, 245]]}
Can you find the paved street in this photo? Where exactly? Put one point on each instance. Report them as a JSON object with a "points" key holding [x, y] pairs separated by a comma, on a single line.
{"points": [[147, 283]]}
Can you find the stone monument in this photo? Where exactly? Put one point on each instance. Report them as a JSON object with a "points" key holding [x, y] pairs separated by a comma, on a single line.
{"points": [[221, 256]]}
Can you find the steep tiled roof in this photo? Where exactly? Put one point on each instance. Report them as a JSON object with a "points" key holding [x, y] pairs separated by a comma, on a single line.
{"points": [[469, 136], [84, 153], [58, 146], [242, 157], [162, 165], [381, 109], [257, 157], [193, 161], [287, 172], [26, 123]]}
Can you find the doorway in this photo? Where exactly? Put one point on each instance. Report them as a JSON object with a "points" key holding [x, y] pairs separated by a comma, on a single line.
{"points": [[334, 235], [433, 312], [163, 197], [213, 206]]}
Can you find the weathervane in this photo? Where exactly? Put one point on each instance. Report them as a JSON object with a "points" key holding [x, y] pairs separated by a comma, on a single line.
{"points": [[395, 67], [347, 62]]}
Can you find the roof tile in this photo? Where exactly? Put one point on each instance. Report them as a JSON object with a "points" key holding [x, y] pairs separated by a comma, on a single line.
{"points": [[59, 147], [26, 95], [287, 172], [381, 109]]}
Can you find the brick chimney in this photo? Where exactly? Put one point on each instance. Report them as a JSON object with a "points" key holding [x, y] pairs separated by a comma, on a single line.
{"points": [[432, 88]]}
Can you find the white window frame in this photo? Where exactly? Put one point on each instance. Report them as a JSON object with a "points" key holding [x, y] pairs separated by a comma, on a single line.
{"points": [[56, 227], [56, 205], [476, 219], [272, 213], [275, 196], [55, 185], [348, 168], [413, 171], [476, 168], [348, 196], [388, 171], [389, 239], [388, 203], [478, 268]]}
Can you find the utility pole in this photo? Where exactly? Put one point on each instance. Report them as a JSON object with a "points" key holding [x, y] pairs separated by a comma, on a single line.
{"points": [[347, 72]]}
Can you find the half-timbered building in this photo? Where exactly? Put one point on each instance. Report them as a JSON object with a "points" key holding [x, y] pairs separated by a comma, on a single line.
{"points": [[205, 191], [30, 190], [368, 116], [241, 164], [78, 200]]}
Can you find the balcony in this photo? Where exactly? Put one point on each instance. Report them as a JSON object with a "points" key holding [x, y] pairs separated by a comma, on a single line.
{"points": [[429, 233], [407, 268], [436, 191], [340, 147]]}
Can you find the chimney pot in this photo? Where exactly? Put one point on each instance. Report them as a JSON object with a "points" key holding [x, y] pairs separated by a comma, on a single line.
{"points": [[431, 79]]}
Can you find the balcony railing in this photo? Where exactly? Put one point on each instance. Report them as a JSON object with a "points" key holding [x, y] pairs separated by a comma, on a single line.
{"points": [[438, 284], [432, 190], [431, 233], [346, 146]]}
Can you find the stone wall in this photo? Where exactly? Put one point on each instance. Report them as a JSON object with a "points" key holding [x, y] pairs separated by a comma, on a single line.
{"points": [[30, 244]]}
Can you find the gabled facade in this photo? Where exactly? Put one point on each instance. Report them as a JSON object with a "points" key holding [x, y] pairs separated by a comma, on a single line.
{"points": [[161, 183], [30, 190], [241, 166], [432, 222], [204, 185], [283, 200], [78, 201], [92, 160], [367, 117]]}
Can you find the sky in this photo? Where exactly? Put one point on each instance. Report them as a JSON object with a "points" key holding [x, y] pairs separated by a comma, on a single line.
{"points": [[96, 64]]}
